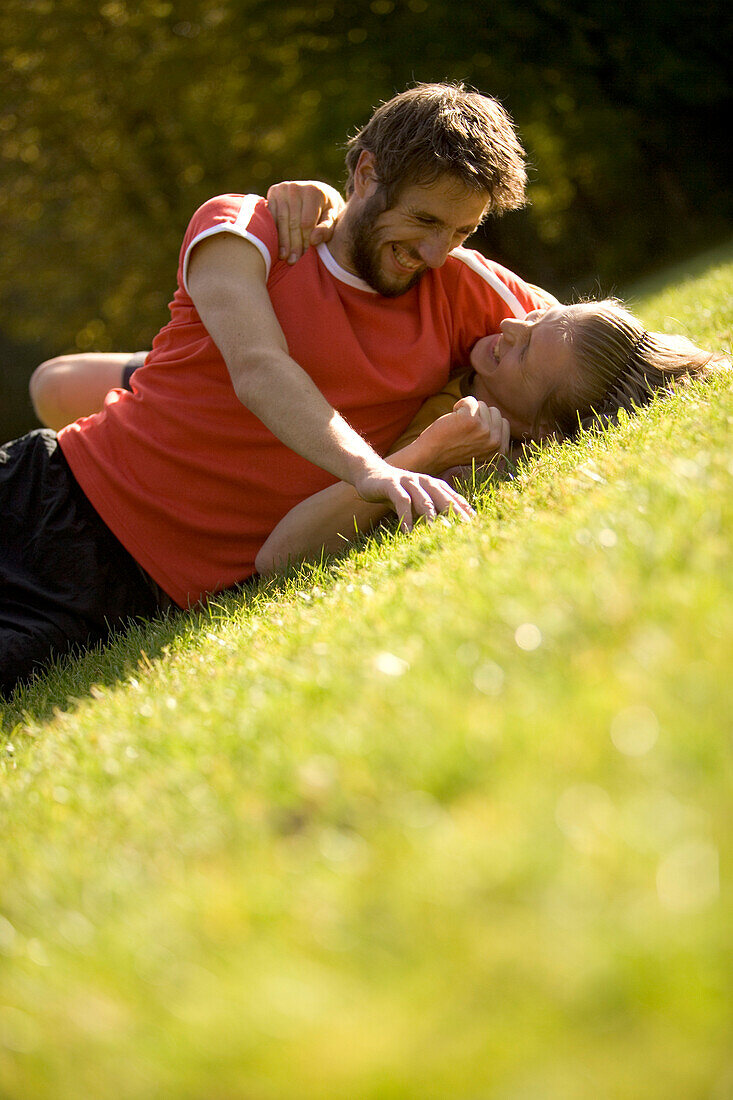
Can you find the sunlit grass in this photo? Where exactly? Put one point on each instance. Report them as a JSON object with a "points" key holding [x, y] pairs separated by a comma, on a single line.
{"points": [[448, 817]]}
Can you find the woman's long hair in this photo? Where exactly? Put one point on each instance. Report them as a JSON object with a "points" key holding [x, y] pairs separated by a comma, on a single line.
{"points": [[619, 365]]}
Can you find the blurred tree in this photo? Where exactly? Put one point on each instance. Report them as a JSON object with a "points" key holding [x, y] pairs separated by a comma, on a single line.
{"points": [[117, 119]]}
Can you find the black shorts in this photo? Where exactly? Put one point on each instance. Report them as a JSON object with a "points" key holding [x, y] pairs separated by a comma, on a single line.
{"points": [[136, 360], [65, 580]]}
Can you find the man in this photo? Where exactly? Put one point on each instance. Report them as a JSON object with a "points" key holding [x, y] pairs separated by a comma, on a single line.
{"points": [[233, 416]]}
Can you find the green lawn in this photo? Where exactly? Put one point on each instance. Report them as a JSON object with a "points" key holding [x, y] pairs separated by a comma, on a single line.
{"points": [[448, 819]]}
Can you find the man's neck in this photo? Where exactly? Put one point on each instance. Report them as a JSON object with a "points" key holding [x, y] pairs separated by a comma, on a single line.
{"points": [[340, 244]]}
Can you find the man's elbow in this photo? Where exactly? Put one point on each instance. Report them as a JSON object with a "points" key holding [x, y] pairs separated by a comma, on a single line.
{"points": [[252, 372]]}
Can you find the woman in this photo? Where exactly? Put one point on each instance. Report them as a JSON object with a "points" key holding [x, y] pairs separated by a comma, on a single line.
{"points": [[549, 375]]}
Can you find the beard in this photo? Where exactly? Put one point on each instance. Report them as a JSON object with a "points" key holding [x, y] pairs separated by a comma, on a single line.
{"points": [[365, 251]]}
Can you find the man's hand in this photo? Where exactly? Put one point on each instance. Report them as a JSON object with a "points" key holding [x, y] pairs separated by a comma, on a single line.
{"points": [[305, 213], [411, 494], [472, 431]]}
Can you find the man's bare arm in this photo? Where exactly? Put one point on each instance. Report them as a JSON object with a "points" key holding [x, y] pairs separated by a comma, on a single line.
{"points": [[227, 283]]}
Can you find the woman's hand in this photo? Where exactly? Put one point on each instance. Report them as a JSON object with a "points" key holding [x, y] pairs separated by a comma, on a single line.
{"points": [[305, 213], [472, 431]]}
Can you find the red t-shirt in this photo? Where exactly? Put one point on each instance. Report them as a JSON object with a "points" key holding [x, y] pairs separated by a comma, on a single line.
{"points": [[189, 480]]}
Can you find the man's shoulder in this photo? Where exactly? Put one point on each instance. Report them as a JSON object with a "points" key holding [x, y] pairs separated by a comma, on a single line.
{"points": [[232, 208], [478, 275], [245, 216], [466, 260], [466, 268]]}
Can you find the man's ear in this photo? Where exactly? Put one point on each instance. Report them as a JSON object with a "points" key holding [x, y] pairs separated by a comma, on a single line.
{"points": [[365, 175]]}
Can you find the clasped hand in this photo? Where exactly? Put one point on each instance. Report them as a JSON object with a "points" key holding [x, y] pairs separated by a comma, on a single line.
{"points": [[474, 430]]}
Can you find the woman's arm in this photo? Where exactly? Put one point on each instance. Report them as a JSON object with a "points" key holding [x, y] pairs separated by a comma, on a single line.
{"points": [[330, 519]]}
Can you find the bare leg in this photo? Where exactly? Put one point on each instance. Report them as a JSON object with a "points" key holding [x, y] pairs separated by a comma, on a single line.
{"points": [[70, 386]]}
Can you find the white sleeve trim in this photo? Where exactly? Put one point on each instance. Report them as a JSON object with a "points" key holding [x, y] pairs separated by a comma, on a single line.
{"points": [[239, 228], [474, 261]]}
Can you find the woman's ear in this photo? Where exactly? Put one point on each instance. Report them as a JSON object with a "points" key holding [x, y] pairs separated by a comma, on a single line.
{"points": [[545, 430], [365, 175]]}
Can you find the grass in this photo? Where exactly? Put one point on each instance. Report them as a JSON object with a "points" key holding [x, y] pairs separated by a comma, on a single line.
{"points": [[447, 818]]}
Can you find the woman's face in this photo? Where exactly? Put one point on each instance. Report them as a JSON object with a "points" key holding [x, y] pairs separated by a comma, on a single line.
{"points": [[516, 370]]}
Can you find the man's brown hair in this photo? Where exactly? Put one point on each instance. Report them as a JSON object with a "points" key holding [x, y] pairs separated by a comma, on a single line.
{"points": [[433, 130]]}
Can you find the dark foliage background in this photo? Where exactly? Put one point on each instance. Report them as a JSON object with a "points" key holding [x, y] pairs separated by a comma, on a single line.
{"points": [[117, 119]]}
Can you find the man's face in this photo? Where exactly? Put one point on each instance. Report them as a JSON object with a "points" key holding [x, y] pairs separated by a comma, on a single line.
{"points": [[390, 249]]}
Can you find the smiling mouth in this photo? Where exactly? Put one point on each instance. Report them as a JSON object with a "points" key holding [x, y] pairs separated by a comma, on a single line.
{"points": [[405, 260], [493, 342]]}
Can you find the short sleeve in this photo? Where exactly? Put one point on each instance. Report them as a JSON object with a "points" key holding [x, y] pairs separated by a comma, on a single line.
{"points": [[246, 216], [486, 294]]}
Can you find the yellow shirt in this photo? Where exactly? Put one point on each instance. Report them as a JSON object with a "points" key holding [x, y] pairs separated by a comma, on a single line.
{"points": [[435, 407]]}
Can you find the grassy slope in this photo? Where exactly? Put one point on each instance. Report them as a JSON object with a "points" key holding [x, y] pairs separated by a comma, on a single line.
{"points": [[445, 819]]}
